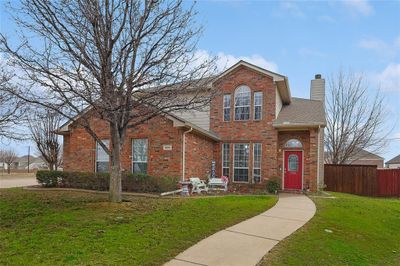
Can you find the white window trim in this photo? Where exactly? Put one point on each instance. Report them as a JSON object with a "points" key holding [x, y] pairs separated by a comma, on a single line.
{"points": [[239, 106], [226, 107], [254, 144], [133, 161], [261, 105], [233, 164], [229, 148], [97, 156]]}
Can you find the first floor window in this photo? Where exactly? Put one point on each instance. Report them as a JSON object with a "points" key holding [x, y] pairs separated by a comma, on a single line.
{"points": [[139, 156], [257, 162], [225, 159], [102, 157], [241, 162]]}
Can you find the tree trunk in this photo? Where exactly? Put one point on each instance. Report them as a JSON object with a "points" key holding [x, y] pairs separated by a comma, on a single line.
{"points": [[51, 166], [115, 171]]}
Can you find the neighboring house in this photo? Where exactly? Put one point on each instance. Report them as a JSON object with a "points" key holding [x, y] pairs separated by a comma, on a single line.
{"points": [[34, 162], [252, 131], [393, 163], [362, 157]]}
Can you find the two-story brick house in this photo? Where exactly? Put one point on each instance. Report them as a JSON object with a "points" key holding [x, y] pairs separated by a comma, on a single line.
{"points": [[253, 130]]}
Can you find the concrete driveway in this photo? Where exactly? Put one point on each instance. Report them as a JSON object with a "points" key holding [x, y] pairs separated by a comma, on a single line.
{"points": [[17, 180]]}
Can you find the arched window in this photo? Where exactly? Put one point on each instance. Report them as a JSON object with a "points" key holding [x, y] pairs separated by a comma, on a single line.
{"points": [[293, 143], [242, 103]]}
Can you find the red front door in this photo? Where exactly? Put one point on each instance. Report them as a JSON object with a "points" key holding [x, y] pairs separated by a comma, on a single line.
{"points": [[293, 170]]}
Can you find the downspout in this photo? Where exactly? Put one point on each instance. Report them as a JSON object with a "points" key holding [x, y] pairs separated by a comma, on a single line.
{"points": [[318, 151], [184, 151]]}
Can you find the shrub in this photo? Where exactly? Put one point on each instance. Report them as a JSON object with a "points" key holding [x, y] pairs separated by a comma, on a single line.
{"points": [[49, 178], [273, 184], [141, 183]]}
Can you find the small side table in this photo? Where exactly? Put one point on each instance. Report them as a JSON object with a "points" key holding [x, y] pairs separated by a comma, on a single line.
{"points": [[185, 187]]}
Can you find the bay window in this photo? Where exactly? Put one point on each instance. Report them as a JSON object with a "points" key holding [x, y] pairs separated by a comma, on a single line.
{"points": [[257, 162], [241, 162], [225, 159]]}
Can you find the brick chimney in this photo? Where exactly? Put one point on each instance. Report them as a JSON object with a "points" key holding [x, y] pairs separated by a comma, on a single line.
{"points": [[317, 88]]}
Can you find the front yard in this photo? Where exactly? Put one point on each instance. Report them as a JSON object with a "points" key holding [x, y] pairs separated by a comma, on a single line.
{"points": [[58, 228], [347, 230]]}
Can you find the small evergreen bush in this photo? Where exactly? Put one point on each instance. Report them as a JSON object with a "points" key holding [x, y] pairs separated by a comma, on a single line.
{"points": [[273, 184]]}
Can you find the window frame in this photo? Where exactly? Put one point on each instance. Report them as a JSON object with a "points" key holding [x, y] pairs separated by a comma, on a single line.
{"points": [[293, 144], [254, 156], [133, 156], [242, 106], [226, 107], [248, 164], [223, 158], [258, 105], [107, 143]]}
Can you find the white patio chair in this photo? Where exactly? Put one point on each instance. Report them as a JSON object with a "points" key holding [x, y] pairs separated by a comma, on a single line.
{"points": [[198, 185]]}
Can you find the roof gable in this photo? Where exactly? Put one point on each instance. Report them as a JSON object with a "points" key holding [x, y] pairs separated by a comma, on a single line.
{"points": [[281, 81], [394, 160]]}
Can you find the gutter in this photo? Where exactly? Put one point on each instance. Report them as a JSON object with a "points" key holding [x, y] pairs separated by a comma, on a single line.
{"points": [[318, 151], [184, 152]]}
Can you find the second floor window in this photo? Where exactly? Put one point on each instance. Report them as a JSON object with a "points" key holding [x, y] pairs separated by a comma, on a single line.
{"points": [[242, 103], [258, 99], [227, 107]]}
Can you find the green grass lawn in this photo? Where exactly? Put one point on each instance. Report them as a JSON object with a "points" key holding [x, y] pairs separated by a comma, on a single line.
{"points": [[75, 228], [365, 231]]}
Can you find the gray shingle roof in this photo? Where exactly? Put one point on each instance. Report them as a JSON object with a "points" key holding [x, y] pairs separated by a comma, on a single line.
{"points": [[301, 112], [394, 160]]}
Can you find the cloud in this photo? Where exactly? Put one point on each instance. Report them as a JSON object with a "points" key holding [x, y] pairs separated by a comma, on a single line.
{"points": [[359, 7], [386, 49], [225, 61], [292, 9], [388, 79]]}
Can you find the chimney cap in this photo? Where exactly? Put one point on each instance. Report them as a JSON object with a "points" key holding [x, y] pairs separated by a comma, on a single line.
{"points": [[318, 76]]}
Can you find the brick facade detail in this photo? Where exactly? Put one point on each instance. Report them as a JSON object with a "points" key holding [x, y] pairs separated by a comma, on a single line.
{"points": [[80, 149]]}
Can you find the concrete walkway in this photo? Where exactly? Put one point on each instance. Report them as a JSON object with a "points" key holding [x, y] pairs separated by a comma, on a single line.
{"points": [[16, 180], [246, 243]]}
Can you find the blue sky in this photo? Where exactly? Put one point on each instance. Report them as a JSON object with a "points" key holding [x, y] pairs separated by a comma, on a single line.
{"points": [[300, 38]]}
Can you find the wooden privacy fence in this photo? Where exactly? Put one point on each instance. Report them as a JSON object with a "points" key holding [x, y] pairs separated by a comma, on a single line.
{"points": [[364, 180]]}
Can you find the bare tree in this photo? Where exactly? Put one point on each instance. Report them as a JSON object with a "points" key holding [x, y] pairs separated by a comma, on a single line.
{"points": [[356, 119], [10, 107], [9, 157], [112, 59], [43, 126]]}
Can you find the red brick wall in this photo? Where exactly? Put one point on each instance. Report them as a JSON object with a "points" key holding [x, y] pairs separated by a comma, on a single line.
{"points": [[247, 131], [199, 156], [79, 147], [309, 141]]}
